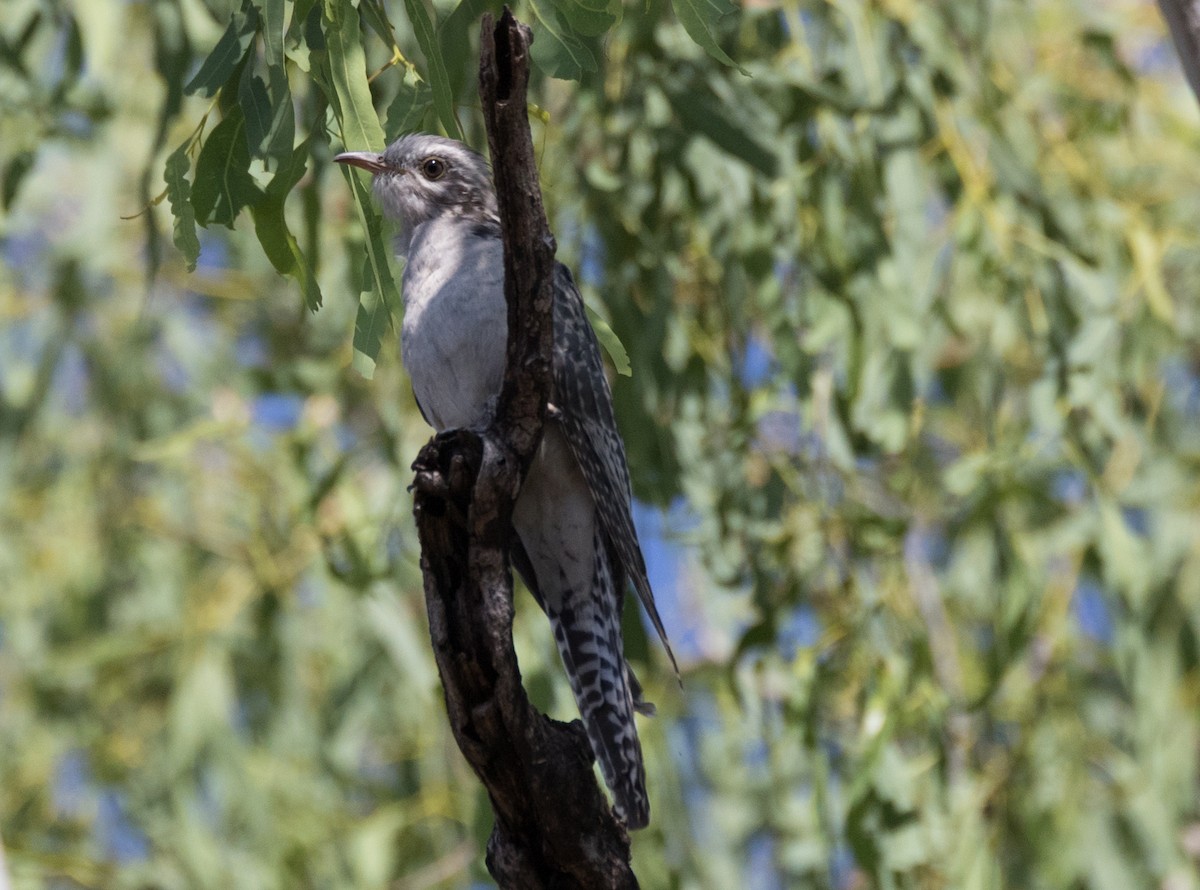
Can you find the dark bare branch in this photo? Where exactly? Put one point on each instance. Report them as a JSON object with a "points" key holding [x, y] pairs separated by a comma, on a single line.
{"points": [[553, 825], [528, 245]]}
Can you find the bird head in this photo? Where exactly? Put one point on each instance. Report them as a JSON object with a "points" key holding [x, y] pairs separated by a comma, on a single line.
{"points": [[421, 177]]}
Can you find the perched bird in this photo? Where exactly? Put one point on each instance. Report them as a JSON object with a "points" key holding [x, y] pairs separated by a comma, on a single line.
{"points": [[575, 543]]}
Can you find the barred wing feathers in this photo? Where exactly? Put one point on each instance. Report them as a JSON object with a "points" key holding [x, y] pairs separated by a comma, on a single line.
{"points": [[583, 403]]}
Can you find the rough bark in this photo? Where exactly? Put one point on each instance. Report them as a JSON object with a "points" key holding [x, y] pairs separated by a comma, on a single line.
{"points": [[553, 825]]}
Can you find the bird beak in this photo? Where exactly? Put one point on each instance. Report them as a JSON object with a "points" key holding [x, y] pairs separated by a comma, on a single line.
{"points": [[367, 160]]}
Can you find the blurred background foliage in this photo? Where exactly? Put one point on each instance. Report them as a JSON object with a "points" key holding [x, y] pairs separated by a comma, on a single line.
{"points": [[908, 292]]}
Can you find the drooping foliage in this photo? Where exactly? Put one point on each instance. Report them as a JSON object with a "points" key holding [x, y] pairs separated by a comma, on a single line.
{"points": [[906, 294]]}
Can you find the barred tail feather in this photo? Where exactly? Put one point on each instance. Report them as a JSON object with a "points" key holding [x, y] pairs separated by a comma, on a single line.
{"points": [[587, 629]]}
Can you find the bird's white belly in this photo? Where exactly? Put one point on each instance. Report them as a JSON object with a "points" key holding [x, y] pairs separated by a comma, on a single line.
{"points": [[455, 328], [555, 518]]}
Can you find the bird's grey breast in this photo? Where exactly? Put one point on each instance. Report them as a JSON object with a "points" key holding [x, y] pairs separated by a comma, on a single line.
{"points": [[455, 320]]}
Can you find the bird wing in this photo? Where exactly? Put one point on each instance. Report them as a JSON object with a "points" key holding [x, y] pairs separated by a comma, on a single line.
{"points": [[421, 408], [583, 403]]}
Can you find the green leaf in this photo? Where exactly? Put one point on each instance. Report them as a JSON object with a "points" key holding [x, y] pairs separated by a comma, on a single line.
{"points": [[701, 112], [591, 18], [14, 174], [376, 17], [256, 108], [298, 40], [301, 10], [282, 135], [272, 30], [408, 107], [272, 232], [557, 50], [277, 240], [611, 342], [361, 131], [73, 54], [310, 52], [348, 72], [454, 38], [214, 73], [699, 18], [303, 273], [439, 80], [179, 193], [289, 173], [285, 253], [223, 181], [270, 117], [370, 322], [376, 304]]}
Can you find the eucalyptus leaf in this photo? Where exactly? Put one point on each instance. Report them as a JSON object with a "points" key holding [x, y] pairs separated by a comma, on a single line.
{"points": [[456, 38], [557, 49], [348, 69], [611, 343], [280, 138], [699, 18], [256, 109], [376, 18], [377, 304], [912, 436], [588, 18], [408, 107], [179, 197], [14, 175], [223, 184], [701, 113], [225, 56], [273, 13], [276, 239], [439, 80], [269, 114]]}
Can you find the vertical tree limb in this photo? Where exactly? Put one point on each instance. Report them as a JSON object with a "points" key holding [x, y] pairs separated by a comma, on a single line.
{"points": [[1183, 19], [553, 824]]}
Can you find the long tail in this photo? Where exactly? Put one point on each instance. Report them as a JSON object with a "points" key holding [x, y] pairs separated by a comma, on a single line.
{"points": [[587, 628]]}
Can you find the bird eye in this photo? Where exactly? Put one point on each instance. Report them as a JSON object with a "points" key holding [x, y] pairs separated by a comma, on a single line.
{"points": [[433, 168]]}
